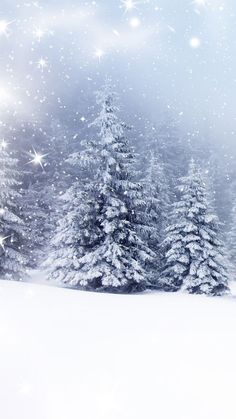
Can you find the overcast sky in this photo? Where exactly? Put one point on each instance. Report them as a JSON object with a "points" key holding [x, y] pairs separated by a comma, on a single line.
{"points": [[162, 54]]}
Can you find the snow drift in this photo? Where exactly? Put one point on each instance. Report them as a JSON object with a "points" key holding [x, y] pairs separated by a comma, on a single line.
{"points": [[67, 355]]}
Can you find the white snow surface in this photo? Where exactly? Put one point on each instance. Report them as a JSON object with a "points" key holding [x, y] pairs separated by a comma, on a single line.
{"points": [[67, 354]]}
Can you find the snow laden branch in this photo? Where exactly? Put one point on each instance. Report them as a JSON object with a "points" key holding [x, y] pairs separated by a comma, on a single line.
{"points": [[194, 259]]}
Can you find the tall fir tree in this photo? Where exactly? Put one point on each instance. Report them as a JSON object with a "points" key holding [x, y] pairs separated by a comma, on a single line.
{"points": [[174, 150], [35, 215], [114, 258], [171, 150], [193, 251], [231, 242], [78, 230], [157, 207], [219, 176], [13, 245], [43, 183]]}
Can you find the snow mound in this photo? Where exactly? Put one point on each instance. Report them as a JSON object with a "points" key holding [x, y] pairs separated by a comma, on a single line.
{"points": [[74, 355]]}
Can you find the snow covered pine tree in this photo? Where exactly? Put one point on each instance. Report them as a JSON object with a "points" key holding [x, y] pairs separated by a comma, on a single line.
{"points": [[12, 229], [193, 252], [36, 219], [231, 242], [157, 206], [113, 260], [77, 230]]}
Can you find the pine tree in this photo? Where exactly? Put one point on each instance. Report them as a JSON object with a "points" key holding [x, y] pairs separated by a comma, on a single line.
{"points": [[12, 228], [36, 219], [102, 227], [157, 206], [118, 262], [219, 177], [173, 149], [74, 237], [43, 184], [193, 250], [77, 230], [231, 242]]}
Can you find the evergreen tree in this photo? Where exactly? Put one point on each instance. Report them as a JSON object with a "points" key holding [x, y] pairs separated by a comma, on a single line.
{"points": [[12, 228], [174, 150], [219, 175], [36, 218], [157, 206], [170, 149], [77, 230], [231, 242], [43, 183], [106, 245], [118, 262], [156, 186], [193, 250]]}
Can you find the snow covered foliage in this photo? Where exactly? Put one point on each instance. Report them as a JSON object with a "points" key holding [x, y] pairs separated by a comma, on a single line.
{"points": [[36, 216], [118, 262], [221, 181], [45, 181], [231, 241], [77, 230], [173, 149], [157, 206], [102, 224], [193, 251], [12, 228]]}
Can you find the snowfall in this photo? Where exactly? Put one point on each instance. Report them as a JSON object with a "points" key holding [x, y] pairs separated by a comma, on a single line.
{"points": [[67, 354]]}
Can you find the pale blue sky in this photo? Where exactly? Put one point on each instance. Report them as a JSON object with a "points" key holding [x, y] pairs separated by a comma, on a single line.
{"points": [[162, 54]]}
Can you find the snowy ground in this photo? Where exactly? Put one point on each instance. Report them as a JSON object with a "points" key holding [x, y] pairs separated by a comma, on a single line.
{"points": [[66, 354]]}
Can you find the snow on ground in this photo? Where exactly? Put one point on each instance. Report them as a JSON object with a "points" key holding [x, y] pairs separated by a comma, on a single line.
{"points": [[66, 354]]}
